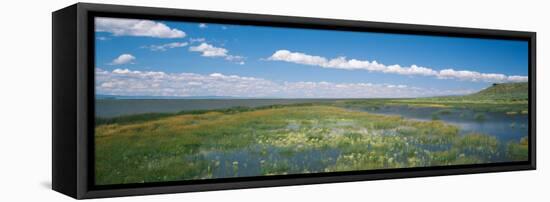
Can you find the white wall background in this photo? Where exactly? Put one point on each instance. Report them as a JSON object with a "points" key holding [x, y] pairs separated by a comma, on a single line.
{"points": [[25, 105]]}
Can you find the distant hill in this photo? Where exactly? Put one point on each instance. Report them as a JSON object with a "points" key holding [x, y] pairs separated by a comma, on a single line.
{"points": [[504, 91], [498, 92]]}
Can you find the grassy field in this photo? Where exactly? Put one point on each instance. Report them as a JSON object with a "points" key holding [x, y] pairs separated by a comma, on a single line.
{"points": [[291, 139]]}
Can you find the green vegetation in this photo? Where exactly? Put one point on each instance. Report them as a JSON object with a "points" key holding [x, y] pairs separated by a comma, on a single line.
{"points": [[303, 138], [504, 91], [518, 151], [189, 146]]}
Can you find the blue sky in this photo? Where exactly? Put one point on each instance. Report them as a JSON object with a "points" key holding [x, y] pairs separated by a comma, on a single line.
{"points": [[288, 62]]}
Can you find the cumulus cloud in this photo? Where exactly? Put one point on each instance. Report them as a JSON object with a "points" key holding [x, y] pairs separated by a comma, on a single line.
{"points": [[208, 50], [157, 83], [164, 47], [203, 25], [373, 66], [123, 59], [134, 27]]}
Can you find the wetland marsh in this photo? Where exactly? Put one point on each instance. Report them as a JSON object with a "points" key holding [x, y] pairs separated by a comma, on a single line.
{"points": [[310, 137]]}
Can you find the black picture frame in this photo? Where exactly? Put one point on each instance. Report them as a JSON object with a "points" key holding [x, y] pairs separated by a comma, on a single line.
{"points": [[73, 100]]}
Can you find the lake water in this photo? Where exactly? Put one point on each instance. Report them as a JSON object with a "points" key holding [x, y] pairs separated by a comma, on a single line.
{"points": [[112, 107], [504, 127], [249, 162]]}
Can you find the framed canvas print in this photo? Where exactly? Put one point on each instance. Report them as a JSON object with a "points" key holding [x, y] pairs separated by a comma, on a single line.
{"points": [[154, 100]]}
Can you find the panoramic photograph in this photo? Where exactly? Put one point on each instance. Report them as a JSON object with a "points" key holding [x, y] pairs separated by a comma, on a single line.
{"points": [[187, 101]]}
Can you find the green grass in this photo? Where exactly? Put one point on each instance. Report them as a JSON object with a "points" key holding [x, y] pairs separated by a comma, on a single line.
{"points": [[518, 151], [280, 140]]}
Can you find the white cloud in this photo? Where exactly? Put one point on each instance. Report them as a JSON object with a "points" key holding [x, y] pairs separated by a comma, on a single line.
{"points": [[133, 27], [156, 83], [234, 58], [476, 76], [193, 40], [354, 64], [208, 50], [202, 25], [123, 59], [164, 47], [518, 78]]}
